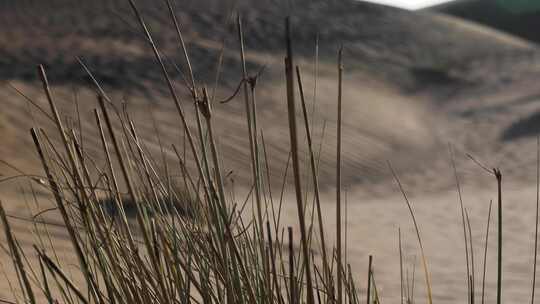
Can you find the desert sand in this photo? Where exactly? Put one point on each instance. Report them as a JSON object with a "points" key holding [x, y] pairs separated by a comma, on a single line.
{"points": [[415, 84]]}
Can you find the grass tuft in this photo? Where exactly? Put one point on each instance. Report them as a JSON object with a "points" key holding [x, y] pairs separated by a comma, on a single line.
{"points": [[141, 237]]}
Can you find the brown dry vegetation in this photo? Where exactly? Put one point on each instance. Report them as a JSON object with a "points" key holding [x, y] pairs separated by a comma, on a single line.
{"points": [[414, 81]]}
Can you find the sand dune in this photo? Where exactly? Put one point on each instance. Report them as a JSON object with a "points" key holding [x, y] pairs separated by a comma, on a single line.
{"points": [[415, 81], [401, 66]]}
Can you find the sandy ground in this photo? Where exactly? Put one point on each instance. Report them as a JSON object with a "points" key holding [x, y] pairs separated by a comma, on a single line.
{"points": [[414, 84]]}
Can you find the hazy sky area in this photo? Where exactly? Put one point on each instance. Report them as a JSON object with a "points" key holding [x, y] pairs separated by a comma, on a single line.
{"points": [[409, 4]]}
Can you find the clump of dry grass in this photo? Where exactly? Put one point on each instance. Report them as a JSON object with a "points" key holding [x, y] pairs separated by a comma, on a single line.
{"points": [[194, 243], [206, 250]]}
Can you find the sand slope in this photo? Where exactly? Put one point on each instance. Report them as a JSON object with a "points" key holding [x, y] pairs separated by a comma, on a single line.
{"points": [[414, 82]]}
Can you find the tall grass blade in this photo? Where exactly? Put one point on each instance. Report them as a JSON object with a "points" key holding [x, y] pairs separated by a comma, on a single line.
{"points": [[498, 176], [424, 261], [485, 251], [472, 257], [314, 174], [536, 219], [463, 223], [16, 256], [291, 107], [338, 178], [368, 292], [400, 265]]}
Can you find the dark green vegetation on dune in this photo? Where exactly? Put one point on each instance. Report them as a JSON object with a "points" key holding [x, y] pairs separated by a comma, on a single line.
{"points": [[519, 18], [380, 40]]}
